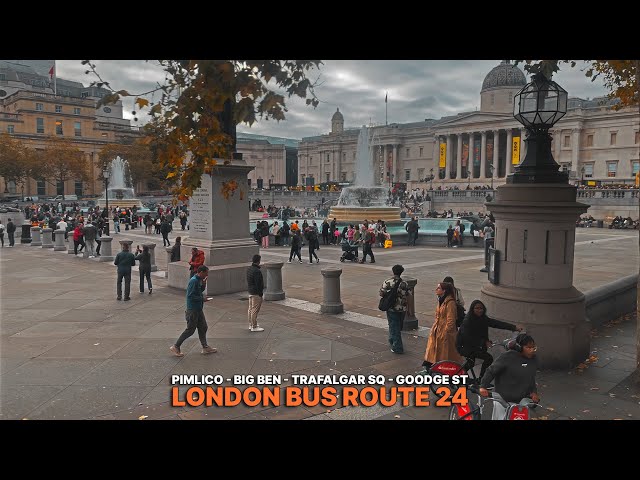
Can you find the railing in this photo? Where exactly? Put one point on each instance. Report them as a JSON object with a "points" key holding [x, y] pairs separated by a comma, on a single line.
{"points": [[607, 193], [10, 116]]}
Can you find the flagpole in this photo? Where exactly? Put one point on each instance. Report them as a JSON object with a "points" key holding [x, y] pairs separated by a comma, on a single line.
{"points": [[386, 109], [55, 77]]}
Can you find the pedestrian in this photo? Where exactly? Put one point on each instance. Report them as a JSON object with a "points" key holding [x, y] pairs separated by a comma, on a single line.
{"points": [[175, 250], [165, 228], [144, 261], [194, 315], [459, 299], [1, 233], [395, 314], [78, 238], [89, 233], [255, 283], [296, 245], [197, 259], [11, 230], [442, 338], [368, 239], [124, 260], [312, 236]]}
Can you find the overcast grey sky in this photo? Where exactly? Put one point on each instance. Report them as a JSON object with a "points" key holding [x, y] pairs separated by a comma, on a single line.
{"points": [[417, 89]]}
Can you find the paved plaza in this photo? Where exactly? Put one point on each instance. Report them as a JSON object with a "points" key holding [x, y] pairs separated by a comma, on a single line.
{"points": [[69, 350]]}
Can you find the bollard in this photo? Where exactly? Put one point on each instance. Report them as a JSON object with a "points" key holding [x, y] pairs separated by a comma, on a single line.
{"points": [[36, 241], [128, 242], [46, 238], [274, 281], [410, 320], [106, 255], [331, 302], [70, 250], [168, 250], [59, 245], [152, 252], [26, 232]]}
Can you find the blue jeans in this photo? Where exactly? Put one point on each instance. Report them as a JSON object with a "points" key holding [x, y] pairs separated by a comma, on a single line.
{"points": [[395, 327]]}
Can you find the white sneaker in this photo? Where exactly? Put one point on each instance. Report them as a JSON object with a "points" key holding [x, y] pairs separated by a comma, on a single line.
{"points": [[289, 261], [257, 328]]}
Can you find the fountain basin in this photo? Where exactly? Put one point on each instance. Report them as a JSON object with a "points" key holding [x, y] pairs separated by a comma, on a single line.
{"points": [[349, 214]]}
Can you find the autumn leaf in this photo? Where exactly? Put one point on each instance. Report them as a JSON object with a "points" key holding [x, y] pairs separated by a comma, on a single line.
{"points": [[123, 93], [142, 417], [141, 102]]}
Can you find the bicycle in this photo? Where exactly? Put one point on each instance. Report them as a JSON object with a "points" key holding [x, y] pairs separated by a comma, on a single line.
{"points": [[513, 411]]}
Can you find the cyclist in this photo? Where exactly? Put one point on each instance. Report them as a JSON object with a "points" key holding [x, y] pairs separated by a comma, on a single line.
{"points": [[472, 340], [515, 374]]}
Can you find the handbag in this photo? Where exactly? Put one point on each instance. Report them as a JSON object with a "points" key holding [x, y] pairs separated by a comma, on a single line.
{"points": [[388, 300]]}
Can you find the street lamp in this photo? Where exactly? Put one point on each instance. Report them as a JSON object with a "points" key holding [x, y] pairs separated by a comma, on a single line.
{"points": [[582, 172], [491, 174], [431, 179], [538, 106], [106, 173]]}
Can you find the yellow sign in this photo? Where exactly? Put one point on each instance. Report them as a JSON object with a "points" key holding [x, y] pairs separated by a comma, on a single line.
{"points": [[515, 151], [591, 183], [443, 155], [638, 179]]}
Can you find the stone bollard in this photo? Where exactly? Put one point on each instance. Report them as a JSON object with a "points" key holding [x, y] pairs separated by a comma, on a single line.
{"points": [[26, 232], [59, 246], [152, 252], [410, 319], [106, 255], [128, 242], [36, 241], [70, 249], [46, 238], [331, 302], [274, 281], [168, 250]]}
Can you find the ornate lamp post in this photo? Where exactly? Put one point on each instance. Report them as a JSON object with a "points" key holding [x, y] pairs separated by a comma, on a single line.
{"points": [[582, 177], [431, 179], [106, 173], [538, 106]]}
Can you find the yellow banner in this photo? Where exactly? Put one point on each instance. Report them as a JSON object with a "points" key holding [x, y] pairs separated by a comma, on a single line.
{"points": [[443, 155], [515, 151], [591, 183]]}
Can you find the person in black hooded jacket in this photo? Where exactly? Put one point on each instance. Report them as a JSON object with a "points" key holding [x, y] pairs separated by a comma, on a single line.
{"points": [[473, 337]]}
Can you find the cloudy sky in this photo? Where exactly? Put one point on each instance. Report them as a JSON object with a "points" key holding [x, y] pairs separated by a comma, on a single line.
{"points": [[417, 89]]}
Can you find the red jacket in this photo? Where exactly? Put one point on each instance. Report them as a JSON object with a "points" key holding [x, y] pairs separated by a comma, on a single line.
{"points": [[196, 261], [77, 233]]}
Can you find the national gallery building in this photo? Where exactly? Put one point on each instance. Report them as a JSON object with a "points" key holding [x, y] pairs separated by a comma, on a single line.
{"points": [[592, 142]]}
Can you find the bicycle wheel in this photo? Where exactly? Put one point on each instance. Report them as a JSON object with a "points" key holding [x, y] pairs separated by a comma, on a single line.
{"points": [[468, 412]]}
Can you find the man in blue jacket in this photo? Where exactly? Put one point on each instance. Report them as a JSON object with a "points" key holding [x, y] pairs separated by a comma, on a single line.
{"points": [[194, 314]]}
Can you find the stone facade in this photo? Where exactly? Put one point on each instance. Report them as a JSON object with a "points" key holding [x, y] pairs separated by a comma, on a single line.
{"points": [[591, 142]]}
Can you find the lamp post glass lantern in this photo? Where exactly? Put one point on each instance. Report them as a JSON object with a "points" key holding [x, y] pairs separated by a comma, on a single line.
{"points": [[538, 106], [106, 174]]}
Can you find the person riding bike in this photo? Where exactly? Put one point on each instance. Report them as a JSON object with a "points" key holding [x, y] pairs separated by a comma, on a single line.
{"points": [[515, 374], [473, 341]]}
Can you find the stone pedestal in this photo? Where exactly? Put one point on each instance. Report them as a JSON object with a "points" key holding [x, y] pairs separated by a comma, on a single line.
{"points": [[70, 250], [168, 250], [59, 244], [331, 302], [126, 242], [218, 227], [535, 237], [26, 232], [274, 281], [36, 240], [106, 254], [410, 319], [152, 252], [46, 238]]}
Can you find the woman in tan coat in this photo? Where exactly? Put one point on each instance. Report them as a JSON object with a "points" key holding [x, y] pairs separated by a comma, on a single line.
{"points": [[442, 339]]}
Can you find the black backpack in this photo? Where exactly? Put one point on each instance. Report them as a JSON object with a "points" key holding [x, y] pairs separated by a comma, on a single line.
{"points": [[460, 314], [461, 227], [388, 300]]}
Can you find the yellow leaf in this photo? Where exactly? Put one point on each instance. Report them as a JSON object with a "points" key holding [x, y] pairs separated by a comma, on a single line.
{"points": [[171, 174], [142, 102], [142, 417]]}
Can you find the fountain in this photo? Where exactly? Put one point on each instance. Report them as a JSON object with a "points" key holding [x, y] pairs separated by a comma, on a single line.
{"points": [[366, 199], [119, 191]]}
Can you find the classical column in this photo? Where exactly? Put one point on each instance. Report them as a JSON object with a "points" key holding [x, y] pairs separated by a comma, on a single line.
{"points": [[447, 169], [508, 168], [470, 155], [483, 156], [395, 162], [575, 150], [496, 146], [459, 159]]}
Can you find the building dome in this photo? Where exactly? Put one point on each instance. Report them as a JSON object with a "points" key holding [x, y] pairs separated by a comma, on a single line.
{"points": [[337, 122], [337, 116], [504, 75]]}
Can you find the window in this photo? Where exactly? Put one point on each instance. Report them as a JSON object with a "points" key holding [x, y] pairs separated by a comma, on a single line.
{"points": [[407, 174], [408, 151], [567, 141], [589, 140], [635, 167], [40, 126], [84, 94], [249, 182], [58, 108], [77, 129], [59, 188], [328, 158], [421, 150], [613, 138], [3, 77], [421, 174], [566, 167], [637, 137], [76, 110], [39, 107], [59, 131], [78, 188], [611, 169], [328, 175], [42, 188], [588, 170], [10, 129], [11, 186]]}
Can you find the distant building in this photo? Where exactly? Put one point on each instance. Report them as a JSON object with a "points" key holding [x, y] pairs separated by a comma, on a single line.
{"points": [[591, 142], [30, 112], [275, 159]]}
